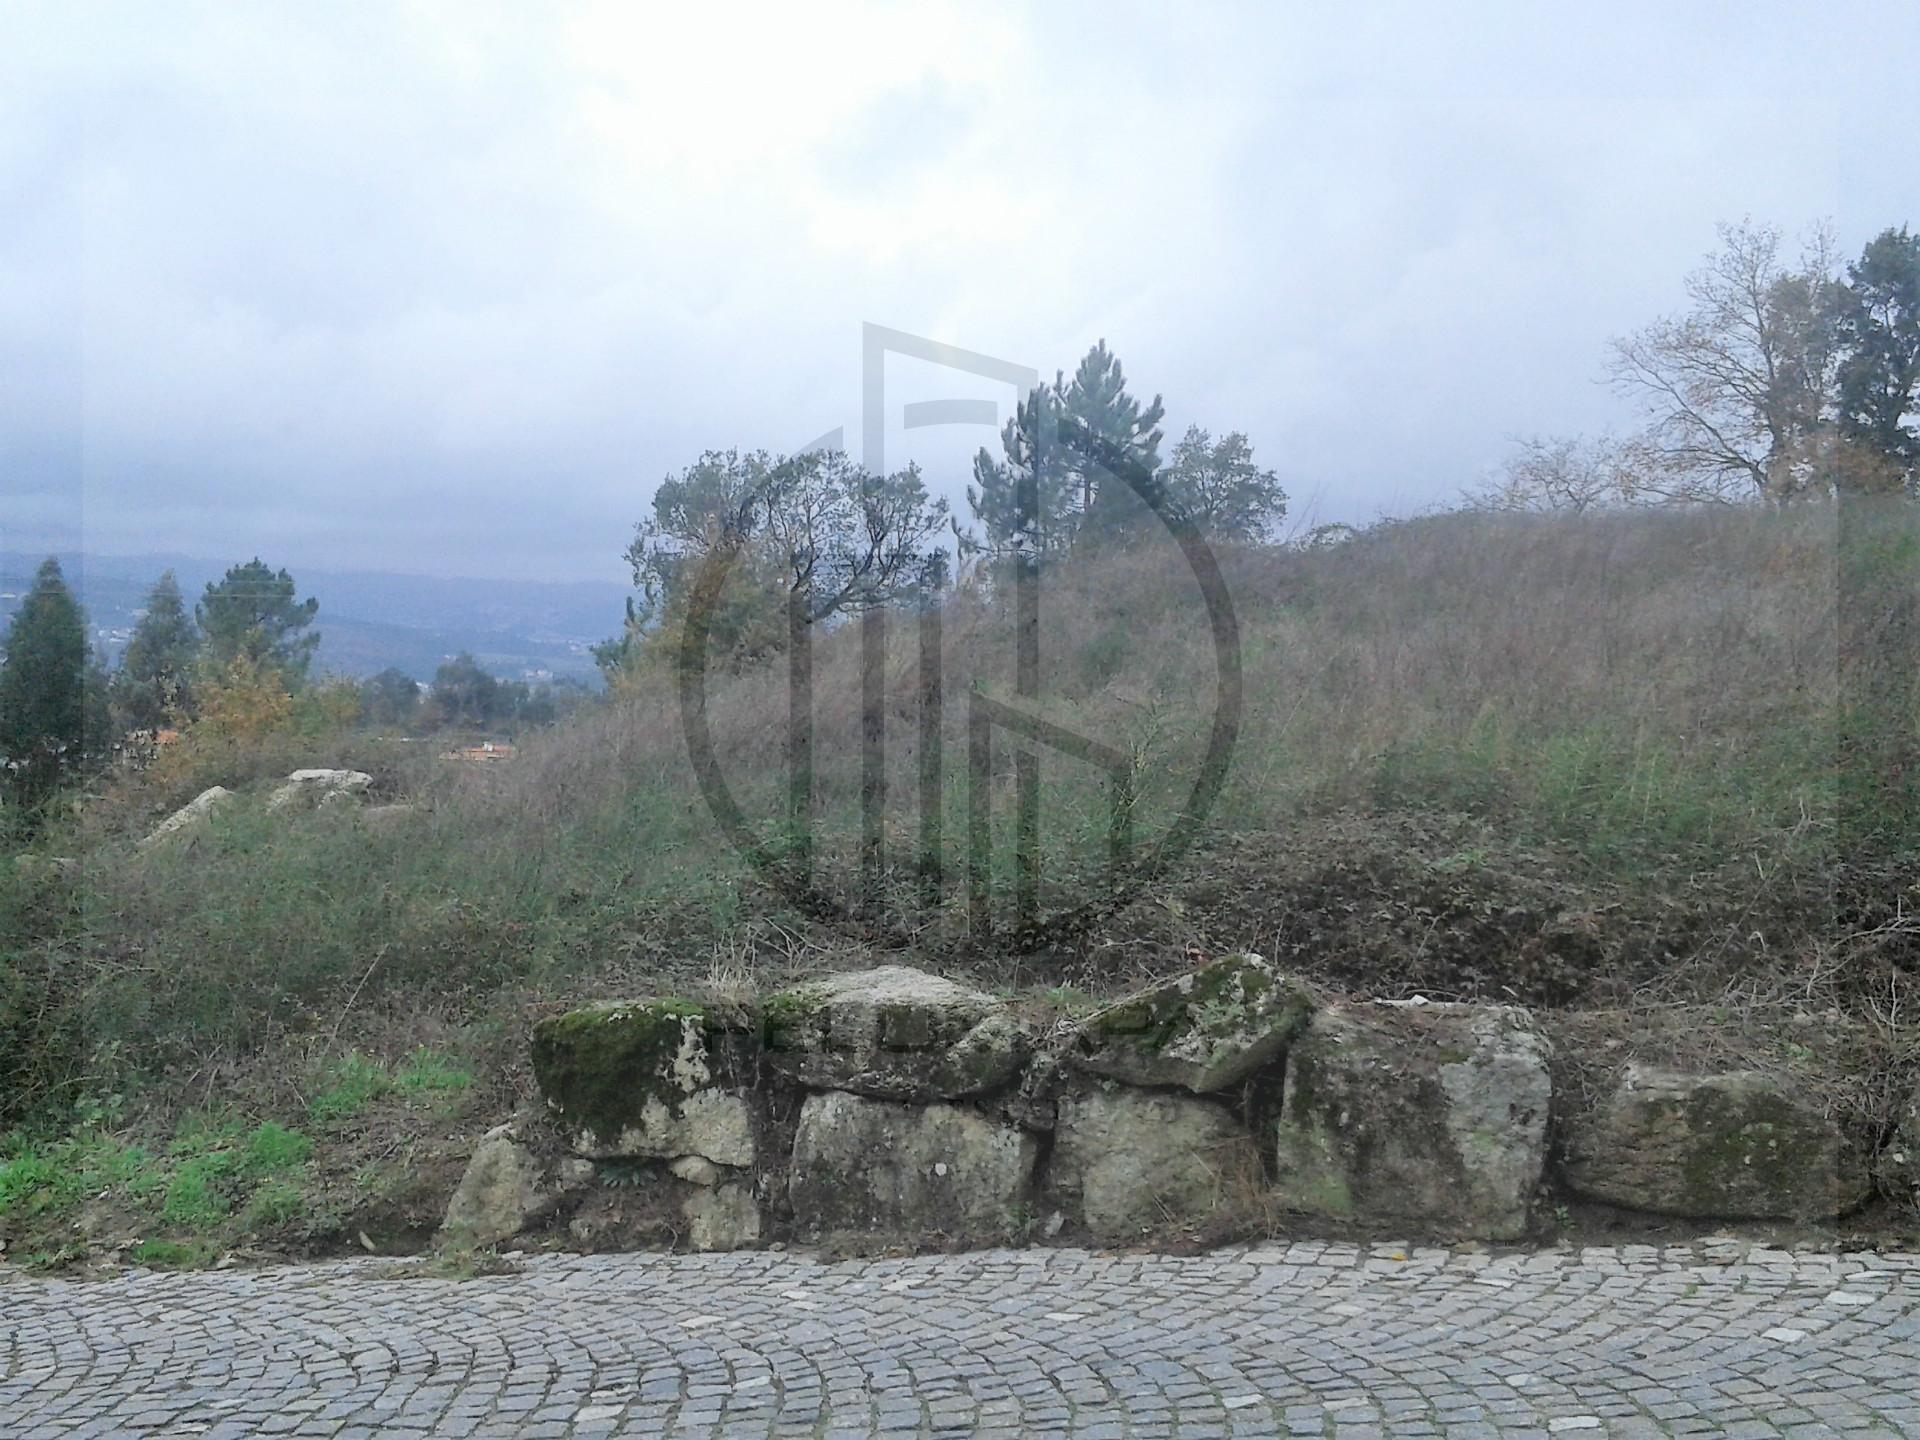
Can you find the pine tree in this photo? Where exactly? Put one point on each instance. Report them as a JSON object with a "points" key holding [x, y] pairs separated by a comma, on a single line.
{"points": [[1068, 440], [1110, 507], [250, 614], [1216, 485], [44, 730], [1030, 447], [151, 687], [390, 698]]}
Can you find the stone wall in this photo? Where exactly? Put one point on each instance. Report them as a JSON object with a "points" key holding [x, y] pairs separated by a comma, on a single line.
{"points": [[895, 1107]]}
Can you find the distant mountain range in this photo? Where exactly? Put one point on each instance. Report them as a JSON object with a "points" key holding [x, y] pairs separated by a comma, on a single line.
{"points": [[368, 621]]}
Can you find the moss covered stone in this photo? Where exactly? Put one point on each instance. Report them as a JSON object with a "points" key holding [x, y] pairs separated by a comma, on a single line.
{"points": [[1739, 1145], [1432, 1116], [1205, 1031], [654, 1078]]}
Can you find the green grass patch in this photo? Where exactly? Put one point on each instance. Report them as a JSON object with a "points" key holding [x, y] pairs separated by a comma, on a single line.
{"points": [[172, 1254], [352, 1083], [428, 1071], [355, 1081], [41, 1179], [200, 1195], [276, 1203], [273, 1149]]}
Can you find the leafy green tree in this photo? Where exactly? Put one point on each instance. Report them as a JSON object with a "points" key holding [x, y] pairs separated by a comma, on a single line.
{"points": [[1215, 484], [464, 694], [1879, 332], [44, 700], [801, 539], [390, 698], [152, 685], [251, 614]]}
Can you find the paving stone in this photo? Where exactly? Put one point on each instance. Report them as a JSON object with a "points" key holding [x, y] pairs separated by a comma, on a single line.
{"points": [[1301, 1339]]}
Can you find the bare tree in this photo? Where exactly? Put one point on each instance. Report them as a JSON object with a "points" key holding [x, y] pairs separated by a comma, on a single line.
{"points": [[1740, 389], [1561, 473]]}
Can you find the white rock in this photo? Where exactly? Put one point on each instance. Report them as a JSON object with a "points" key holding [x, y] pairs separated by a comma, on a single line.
{"points": [[308, 788], [191, 817]]}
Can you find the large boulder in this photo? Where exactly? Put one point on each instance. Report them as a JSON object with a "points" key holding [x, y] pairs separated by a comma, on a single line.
{"points": [[1432, 1116], [653, 1078], [893, 1034], [1739, 1145], [191, 818], [306, 789], [1205, 1031], [504, 1190], [874, 1167], [1130, 1165]]}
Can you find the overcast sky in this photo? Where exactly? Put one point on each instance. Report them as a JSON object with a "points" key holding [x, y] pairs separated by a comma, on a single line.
{"points": [[449, 289]]}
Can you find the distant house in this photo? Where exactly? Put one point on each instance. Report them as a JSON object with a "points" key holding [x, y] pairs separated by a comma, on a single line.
{"points": [[487, 750]]}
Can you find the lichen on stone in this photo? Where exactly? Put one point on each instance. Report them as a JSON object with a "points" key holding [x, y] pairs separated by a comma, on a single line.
{"points": [[1205, 1030], [638, 1078]]}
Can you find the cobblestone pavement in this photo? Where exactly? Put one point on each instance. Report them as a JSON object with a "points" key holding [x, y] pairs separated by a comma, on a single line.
{"points": [[1298, 1339]]}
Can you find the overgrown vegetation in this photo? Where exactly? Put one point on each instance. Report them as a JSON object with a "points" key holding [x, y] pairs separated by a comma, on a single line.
{"points": [[1639, 707], [1599, 759]]}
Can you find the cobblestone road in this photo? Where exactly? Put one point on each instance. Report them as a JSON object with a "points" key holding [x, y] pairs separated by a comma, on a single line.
{"points": [[1302, 1339]]}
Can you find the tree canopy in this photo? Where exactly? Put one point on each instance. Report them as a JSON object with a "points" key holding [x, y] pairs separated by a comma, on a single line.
{"points": [[44, 704], [1216, 485], [251, 614], [152, 685], [803, 538], [1067, 442], [1879, 332]]}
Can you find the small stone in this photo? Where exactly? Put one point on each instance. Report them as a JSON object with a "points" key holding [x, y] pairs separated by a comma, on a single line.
{"points": [[723, 1218], [695, 1170]]}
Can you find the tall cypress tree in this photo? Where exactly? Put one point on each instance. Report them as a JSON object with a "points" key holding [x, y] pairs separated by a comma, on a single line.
{"points": [[43, 687], [151, 685]]}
